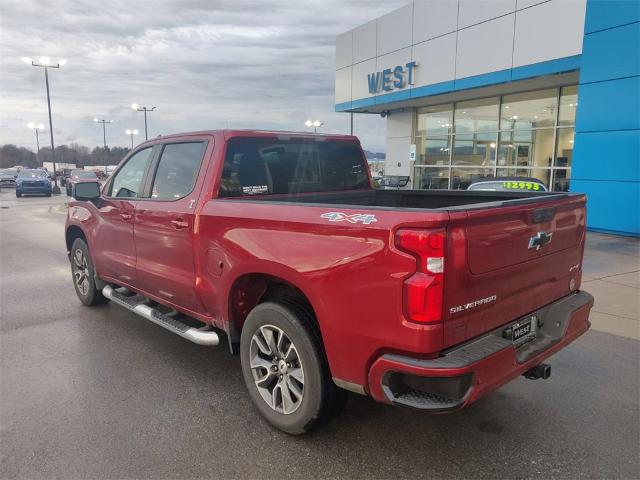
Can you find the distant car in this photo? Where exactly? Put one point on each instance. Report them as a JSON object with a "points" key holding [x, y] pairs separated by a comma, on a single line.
{"points": [[33, 182], [79, 176], [508, 184], [64, 175], [8, 178]]}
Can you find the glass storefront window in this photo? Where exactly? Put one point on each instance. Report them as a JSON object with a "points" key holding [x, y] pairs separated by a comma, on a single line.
{"points": [[568, 106], [523, 135], [564, 147], [561, 178], [430, 178], [530, 151], [477, 116], [529, 110], [478, 149], [433, 151], [435, 121], [462, 177]]}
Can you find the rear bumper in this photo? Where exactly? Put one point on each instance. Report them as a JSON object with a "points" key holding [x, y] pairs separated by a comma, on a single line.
{"points": [[463, 374]]}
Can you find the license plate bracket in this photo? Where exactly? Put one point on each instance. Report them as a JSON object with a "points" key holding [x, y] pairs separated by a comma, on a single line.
{"points": [[524, 330]]}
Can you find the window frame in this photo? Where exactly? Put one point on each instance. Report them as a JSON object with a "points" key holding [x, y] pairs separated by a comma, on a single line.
{"points": [[107, 189], [423, 137], [217, 189], [150, 175]]}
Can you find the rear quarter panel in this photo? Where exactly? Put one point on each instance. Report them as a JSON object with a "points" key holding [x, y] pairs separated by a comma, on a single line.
{"points": [[351, 273]]}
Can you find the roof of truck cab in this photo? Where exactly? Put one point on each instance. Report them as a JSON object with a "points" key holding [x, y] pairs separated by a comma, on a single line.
{"points": [[230, 133]]}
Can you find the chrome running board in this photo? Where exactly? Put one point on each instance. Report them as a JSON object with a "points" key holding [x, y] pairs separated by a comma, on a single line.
{"points": [[137, 304]]}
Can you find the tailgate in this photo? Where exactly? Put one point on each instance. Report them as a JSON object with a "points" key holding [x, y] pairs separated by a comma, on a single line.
{"points": [[508, 260]]}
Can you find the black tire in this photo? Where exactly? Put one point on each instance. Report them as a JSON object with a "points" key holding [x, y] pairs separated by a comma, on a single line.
{"points": [[18, 195], [83, 275], [321, 398], [48, 194]]}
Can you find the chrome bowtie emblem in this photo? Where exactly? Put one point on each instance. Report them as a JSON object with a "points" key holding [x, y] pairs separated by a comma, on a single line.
{"points": [[539, 240]]}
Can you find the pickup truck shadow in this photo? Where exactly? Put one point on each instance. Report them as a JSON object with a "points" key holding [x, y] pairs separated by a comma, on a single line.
{"points": [[168, 388]]}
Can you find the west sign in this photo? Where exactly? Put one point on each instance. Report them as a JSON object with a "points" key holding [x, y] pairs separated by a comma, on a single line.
{"points": [[392, 78]]}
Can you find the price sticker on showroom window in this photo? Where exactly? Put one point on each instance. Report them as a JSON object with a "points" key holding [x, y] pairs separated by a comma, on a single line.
{"points": [[521, 186]]}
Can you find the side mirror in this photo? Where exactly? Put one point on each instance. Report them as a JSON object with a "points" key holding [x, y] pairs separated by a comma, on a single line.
{"points": [[86, 191]]}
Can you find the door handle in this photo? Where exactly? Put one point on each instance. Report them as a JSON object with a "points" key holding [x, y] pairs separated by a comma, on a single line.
{"points": [[125, 216], [179, 224]]}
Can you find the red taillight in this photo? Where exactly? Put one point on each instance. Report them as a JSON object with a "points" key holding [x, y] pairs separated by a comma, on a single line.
{"points": [[423, 291]]}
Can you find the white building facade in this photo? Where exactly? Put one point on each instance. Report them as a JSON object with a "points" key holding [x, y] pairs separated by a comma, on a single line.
{"points": [[473, 88]]}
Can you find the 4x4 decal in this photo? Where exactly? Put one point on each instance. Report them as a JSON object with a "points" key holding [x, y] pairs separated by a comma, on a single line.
{"points": [[355, 218]]}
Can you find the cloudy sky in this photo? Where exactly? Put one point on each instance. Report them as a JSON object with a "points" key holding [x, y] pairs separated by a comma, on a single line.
{"points": [[204, 64]]}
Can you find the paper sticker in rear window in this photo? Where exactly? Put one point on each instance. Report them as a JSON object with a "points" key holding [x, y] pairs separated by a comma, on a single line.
{"points": [[255, 189]]}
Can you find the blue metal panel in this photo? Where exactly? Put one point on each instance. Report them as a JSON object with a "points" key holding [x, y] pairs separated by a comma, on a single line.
{"points": [[613, 53], [363, 102], [558, 65], [483, 80], [607, 156], [393, 97], [611, 206], [343, 107], [603, 14], [611, 105], [433, 89]]}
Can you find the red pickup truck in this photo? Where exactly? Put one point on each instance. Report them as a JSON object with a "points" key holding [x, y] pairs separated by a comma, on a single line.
{"points": [[277, 242]]}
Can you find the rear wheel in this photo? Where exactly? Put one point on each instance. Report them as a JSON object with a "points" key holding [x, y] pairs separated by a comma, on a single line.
{"points": [[285, 369], [83, 273], [18, 194]]}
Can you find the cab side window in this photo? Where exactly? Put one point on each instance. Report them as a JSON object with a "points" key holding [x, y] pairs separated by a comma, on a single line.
{"points": [[177, 170], [127, 182]]}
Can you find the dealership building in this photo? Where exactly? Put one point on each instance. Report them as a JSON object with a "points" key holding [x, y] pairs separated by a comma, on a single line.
{"points": [[472, 88]]}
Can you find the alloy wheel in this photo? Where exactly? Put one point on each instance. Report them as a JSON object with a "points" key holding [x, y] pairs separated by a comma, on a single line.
{"points": [[81, 272], [276, 368]]}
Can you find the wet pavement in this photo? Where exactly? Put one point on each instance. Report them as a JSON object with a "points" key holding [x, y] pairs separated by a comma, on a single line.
{"points": [[101, 393]]}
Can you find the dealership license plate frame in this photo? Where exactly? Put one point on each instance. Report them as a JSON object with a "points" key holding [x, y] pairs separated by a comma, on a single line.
{"points": [[524, 330]]}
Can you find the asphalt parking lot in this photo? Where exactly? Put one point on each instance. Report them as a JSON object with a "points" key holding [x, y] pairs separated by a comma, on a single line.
{"points": [[102, 393]]}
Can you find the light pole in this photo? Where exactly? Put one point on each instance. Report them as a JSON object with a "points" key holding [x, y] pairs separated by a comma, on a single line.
{"points": [[145, 110], [131, 133], [35, 127], [45, 62], [104, 131], [315, 124]]}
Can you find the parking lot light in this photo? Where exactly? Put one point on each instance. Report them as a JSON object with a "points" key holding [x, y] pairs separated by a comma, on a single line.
{"points": [[45, 62], [131, 133], [104, 130], [36, 127], [144, 109], [315, 124]]}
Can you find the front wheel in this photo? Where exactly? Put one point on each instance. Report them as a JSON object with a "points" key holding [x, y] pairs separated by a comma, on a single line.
{"points": [[285, 369], [83, 273]]}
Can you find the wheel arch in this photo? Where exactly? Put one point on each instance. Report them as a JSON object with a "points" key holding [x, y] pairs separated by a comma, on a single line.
{"points": [[72, 233], [251, 289]]}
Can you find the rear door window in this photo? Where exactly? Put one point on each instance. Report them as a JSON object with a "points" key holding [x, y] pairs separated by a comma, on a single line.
{"points": [[258, 166], [177, 170]]}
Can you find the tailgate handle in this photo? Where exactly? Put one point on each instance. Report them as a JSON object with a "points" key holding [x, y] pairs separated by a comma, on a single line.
{"points": [[541, 215]]}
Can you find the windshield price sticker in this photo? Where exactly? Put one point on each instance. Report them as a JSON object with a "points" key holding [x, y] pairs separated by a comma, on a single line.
{"points": [[521, 185]]}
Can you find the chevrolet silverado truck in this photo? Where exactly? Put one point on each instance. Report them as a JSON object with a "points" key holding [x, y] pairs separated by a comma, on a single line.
{"points": [[276, 244]]}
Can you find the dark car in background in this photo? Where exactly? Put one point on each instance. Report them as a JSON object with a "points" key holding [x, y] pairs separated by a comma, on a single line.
{"points": [[33, 182], [508, 184], [64, 175], [8, 178], [79, 176]]}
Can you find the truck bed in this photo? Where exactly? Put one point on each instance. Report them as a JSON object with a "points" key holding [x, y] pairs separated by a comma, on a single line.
{"points": [[421, 199]]}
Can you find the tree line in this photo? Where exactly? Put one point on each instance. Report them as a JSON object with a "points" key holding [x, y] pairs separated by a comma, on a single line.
{"points": [[81, 156]]}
